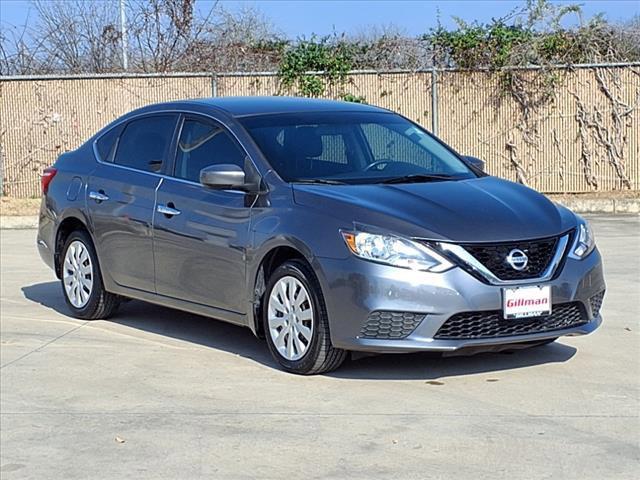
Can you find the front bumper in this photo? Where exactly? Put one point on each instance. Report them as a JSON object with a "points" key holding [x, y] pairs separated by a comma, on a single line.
{"points": [[354, 288]]}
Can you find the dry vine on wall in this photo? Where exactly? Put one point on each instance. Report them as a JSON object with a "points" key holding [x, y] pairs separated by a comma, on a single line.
{"points": [[533, 93], [605, 138], [530, 51], [603, 122]]}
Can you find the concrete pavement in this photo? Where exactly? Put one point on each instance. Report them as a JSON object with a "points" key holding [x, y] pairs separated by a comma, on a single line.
{"points": [[156, 393]]}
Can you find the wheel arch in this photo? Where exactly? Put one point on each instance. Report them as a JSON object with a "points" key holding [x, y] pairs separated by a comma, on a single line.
{"points": [[68, 225], [271, 258]]}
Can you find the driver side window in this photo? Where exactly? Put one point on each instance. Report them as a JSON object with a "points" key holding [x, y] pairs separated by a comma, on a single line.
{"points": [[203, 143]]}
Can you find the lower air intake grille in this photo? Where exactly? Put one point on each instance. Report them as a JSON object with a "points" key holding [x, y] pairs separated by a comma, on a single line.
{"points": [[596, 303], [390, 325], [491, 324]]}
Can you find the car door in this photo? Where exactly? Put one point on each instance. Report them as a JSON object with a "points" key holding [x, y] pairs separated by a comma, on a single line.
{"points": [[201, 234], [121, 197]]}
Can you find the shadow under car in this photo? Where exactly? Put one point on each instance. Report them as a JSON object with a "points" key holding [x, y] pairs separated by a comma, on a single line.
{"points": [[240, 341]]}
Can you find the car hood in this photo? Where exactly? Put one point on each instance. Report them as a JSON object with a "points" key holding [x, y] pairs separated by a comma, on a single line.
{"points": [[485, 209]]}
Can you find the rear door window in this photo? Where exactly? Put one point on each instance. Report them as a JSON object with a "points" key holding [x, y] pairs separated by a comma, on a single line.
{"points": [[144, 142]]}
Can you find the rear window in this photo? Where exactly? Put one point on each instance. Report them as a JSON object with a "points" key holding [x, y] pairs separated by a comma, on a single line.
{"points": [[144, 143], [106, 144]]}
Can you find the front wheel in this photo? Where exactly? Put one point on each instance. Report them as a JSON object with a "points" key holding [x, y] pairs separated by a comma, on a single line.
{"points": [[81, 280], [296, 323]]}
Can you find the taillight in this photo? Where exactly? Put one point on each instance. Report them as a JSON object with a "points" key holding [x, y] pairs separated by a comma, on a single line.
{"points": [[47, 176]]}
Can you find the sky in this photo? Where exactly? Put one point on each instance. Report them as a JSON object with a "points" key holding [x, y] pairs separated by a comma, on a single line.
{"points": [[296, 18]]}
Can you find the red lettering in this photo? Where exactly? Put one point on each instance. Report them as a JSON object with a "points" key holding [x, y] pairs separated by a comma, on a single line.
{"points": [[526, 302]]}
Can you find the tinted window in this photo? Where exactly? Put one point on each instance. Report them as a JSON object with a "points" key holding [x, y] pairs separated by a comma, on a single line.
{"points": [[351, 147], [202, 144], [106, 144], [144, 143], [387, 144], [333, 148]]}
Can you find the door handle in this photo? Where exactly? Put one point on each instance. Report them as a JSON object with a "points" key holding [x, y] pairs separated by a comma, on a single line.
{"points": [[98, 196], [168, 211]]}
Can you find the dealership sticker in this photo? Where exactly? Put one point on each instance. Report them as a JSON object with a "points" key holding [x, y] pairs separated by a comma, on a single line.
{"points": [[526, 302]]}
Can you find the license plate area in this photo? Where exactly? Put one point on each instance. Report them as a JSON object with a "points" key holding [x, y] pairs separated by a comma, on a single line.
{"points": [[526, 302]]}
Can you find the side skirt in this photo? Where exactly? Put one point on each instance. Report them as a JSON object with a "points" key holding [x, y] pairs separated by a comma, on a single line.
{"points": [[196, 308]]}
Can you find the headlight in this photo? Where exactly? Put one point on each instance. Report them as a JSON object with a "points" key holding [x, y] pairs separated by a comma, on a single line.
{"points": [[585, 241], [395, 251]]}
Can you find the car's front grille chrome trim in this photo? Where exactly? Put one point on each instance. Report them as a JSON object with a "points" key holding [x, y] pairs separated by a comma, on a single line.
{"points": [[462, 255]]}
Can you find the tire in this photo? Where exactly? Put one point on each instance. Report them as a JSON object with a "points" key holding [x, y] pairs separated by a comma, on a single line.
{"points": [[87, 302], [306, 356]]}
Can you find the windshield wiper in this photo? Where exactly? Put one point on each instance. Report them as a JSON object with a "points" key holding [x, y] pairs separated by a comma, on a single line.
{"points": [[317, 181], [417, 178]]}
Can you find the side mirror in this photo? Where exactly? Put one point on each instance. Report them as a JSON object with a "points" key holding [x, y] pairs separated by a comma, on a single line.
{"points": [[476, 162], [223, 177]]}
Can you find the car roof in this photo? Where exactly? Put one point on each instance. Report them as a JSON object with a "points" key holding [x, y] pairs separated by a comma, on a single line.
{"points": [[248, 106]]}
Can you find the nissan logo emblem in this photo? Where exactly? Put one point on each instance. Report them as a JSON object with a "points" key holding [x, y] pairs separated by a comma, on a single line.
{"points": [[517, 259]]}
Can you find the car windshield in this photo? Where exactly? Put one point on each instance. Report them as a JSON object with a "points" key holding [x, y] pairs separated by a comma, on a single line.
{"points": [[353, 148]]}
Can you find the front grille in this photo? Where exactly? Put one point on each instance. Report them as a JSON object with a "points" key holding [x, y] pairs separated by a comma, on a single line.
{"points": [[390, 325], [596, 303], [494, 257], [491, 324]]}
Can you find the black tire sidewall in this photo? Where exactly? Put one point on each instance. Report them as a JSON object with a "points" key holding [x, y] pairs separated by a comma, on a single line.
{"points": [[97, 289], [299, 271]]}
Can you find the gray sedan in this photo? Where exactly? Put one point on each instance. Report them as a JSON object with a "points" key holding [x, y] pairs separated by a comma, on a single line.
{"points": [[325, 227]]}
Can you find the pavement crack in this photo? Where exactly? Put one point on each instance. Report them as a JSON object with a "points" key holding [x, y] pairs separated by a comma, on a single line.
{"points": [[44, 345]]}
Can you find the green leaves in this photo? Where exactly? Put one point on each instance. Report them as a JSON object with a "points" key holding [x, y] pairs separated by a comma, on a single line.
{"points": [[313, 66], [350, 97], [532, 35], [492, 45]]}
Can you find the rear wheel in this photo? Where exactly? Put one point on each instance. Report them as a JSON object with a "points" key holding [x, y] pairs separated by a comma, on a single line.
{"points": [[296, 322], [81, 280]]}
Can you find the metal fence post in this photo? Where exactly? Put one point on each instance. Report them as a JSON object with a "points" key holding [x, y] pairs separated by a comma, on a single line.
{"points": [[214, 84], [1, 172], [434, 100]]}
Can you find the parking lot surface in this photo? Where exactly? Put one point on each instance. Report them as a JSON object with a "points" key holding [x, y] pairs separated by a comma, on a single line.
{"points": [[156, 393]]}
